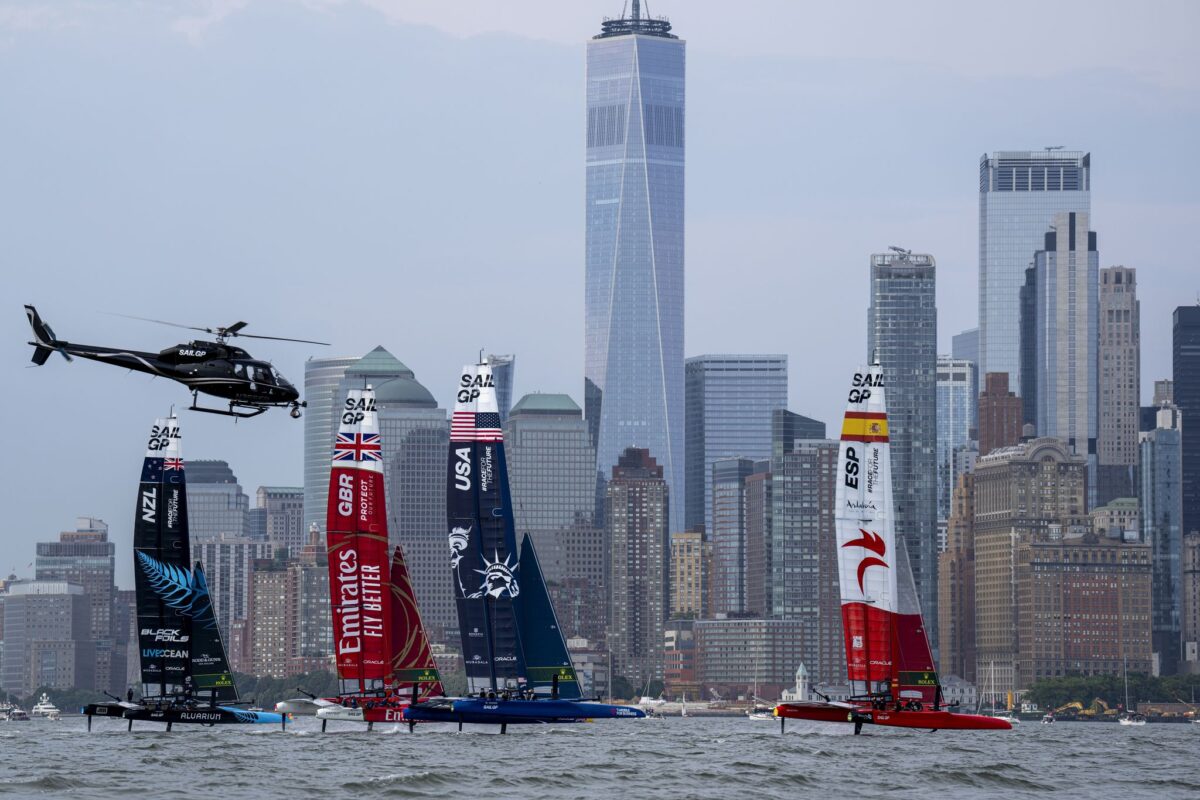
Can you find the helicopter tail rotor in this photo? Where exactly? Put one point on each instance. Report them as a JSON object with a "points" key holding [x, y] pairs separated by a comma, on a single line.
{"points": [[44, 342]]}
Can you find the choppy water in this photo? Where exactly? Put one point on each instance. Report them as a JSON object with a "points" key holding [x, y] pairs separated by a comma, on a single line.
{"points": [[672, 758]]}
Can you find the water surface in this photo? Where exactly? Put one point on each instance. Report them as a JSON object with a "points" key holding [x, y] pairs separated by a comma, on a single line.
{"points": [[672, 758]]}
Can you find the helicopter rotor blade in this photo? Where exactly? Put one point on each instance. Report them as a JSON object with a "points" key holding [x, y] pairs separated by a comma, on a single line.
{"points": [[233, 329], [161, 322], [280, 338]]}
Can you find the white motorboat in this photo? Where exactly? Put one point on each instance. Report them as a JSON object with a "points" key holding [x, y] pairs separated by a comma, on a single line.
{"points": [[17, 715], [1048, 719], [45, 709]]}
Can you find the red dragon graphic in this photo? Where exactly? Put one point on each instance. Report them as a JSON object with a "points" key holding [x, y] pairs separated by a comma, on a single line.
{"points": [[873, 542]]}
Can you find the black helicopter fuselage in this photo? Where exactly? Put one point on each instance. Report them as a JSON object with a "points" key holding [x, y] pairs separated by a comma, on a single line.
{"points": [[214, 368], [220, 370]]}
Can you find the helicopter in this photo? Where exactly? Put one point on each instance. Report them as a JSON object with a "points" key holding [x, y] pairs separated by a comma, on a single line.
{"points": [[215, 368]]}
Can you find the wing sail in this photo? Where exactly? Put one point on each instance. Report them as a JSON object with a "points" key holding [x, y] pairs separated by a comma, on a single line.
{"points": [[483, 551], [865, 535], [161, 563], [357, 541]]}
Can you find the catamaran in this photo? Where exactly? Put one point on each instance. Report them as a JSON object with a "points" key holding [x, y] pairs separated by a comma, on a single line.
{"points": [[383, 656], [888, 660], [514, 654], [185, 671]]}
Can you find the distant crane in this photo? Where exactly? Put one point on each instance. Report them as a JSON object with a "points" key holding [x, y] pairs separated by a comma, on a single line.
{"points": [[1054, 147]]}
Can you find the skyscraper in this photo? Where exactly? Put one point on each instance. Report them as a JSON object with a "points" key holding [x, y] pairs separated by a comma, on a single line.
{"points": [[322, 382], [728, 534], [687, 574], [504, 372], [1021, 494], [756, 498], [216, 504], [1066, 299], [228, 565], [552, 475], [729, 401], [416, 436], [1186, 391], [956, 584], [902, 335], [636, 513], [47, 637], [957, 394], [1119, 383], [803, 580], [633, 303], [1161, 470], [282, 510], [1019, 193], [86, 557], [965, 345], [1000, 414]]}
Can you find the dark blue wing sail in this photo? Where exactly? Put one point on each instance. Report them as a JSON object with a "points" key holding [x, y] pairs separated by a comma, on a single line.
{"points": [[211, 676], [542, 641]]}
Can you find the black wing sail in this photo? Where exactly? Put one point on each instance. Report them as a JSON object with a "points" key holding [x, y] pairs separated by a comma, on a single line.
{"points": [[545, 649], [482, 541], [211, 676], [160, 564]]}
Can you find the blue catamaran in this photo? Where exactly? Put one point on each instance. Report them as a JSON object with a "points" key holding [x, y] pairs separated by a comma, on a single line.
{"points": [[516, 660]]}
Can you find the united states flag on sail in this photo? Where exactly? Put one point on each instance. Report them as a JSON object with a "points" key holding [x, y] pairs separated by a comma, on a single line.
{"points": [[472, 426]]}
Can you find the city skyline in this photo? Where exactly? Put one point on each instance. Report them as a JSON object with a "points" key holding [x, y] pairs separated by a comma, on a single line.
{"points": [[118, 262]]}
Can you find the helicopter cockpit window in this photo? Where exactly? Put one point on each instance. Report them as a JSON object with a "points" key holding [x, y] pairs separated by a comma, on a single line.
{"points": [[239, 370]]}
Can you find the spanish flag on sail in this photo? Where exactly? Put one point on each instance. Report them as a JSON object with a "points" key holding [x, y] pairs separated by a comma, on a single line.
{"points": [[864, 426]]}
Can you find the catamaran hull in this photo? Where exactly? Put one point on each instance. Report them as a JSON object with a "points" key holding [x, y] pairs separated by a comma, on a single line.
{"points": [[472, 710], [865, 715], [207, 715]]}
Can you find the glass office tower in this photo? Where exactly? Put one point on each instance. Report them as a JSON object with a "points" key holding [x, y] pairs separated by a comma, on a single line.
{"points": [[1019, 194], [902, 334], [633, 387], [729, 400]]}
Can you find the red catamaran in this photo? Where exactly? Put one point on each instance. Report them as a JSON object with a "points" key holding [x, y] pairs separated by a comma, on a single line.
{"points": [[888, 662], [381, 650]]}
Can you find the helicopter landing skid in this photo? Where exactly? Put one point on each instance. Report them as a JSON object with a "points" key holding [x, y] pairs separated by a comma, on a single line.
{"points": [[231, 412]]}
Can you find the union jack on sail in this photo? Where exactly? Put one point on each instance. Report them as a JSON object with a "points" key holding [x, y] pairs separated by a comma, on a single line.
{"points": [[357, 447]]}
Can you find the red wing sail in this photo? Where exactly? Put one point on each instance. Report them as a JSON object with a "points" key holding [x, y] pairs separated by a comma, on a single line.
{"points": [[916, 675], [412, 659], [356, 536]]}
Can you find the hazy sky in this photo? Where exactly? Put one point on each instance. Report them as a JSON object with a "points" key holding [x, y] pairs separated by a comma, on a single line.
{"points": [[411, 174]]}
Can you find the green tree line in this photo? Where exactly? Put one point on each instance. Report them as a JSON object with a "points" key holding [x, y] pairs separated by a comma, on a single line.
{"points": [[1055, 692]]}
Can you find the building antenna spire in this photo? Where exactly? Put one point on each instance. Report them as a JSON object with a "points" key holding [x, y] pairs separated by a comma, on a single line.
{"points": [[637, 10]]}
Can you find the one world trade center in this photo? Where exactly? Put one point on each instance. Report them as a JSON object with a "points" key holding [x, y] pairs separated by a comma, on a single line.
{"points": [[633, 370]]}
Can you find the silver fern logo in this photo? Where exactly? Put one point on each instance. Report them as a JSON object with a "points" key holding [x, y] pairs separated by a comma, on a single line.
{"points": [[173, 584]]}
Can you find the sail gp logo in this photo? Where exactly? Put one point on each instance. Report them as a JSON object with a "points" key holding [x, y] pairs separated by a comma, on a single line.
{"points": [[873, 542]]}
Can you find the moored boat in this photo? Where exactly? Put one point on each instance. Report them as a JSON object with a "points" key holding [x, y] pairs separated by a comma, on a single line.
{"points": [[888, 659], [45, 709]]}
